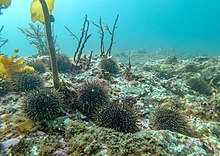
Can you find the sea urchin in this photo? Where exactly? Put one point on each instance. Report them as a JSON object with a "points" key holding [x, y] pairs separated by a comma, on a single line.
{"points": [[117, 117], [91, 95], [26, 81], [169, 119], [42, 104], [109, 65]]}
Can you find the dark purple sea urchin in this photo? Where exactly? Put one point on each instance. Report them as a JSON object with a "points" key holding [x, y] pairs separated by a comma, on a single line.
{"points": [[109, 65], [169, 119], [91, 95], [42, 104], [117, 117], [26, 81]]}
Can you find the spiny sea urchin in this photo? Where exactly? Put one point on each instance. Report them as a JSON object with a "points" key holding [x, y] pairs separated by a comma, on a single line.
{"points": [[91, 95], [42, 104], [169, 119], [117, 117], [109, 65], [64, 64], [199, 85], [26, 81], [38, 66]]}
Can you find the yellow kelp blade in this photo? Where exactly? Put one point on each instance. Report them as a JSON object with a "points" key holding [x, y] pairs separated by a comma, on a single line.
{"points": [[25, 126], [6, 3], [37, 12], [9, 66], [28, 68], [4, 60]]}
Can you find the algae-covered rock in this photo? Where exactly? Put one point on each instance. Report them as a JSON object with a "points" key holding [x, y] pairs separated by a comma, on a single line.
{"points": [[35, 145]]}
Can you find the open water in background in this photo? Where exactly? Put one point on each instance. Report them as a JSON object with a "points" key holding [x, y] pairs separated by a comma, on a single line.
{"points": [[188, 26]]}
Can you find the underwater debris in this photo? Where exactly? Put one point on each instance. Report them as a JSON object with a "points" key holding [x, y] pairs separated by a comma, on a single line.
{"points": [[117, 117], [42, 105], [91, 95], [10, 66]]}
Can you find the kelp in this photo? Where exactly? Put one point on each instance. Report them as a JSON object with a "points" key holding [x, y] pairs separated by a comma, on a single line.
{"points": [[37, 11], [9, 66]]}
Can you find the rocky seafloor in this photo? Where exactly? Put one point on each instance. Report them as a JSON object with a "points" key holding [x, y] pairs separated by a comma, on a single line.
{"points": [[153, 82]]}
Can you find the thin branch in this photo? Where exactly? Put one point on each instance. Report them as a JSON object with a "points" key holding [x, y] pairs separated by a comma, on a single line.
{"points": [[81, 49], [112, 33], [102, 33], [71, 34], [102, 37], [1, 28], [81, 38], [3, 42], [95, 24]]}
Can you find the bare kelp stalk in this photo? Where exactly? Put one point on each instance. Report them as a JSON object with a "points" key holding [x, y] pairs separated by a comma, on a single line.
{"points": [[51, 45]]}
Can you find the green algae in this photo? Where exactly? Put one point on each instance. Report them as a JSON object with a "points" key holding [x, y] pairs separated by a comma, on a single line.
{"points": [[29, 145], [96, 141], [85, 138]]}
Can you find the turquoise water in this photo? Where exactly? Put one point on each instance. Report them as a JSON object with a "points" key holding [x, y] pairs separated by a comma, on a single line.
{"points": [[189, 26]]}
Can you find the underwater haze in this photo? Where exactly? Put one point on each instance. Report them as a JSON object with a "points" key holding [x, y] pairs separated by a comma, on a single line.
{"points": [[156, 91], [188, 26]]}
